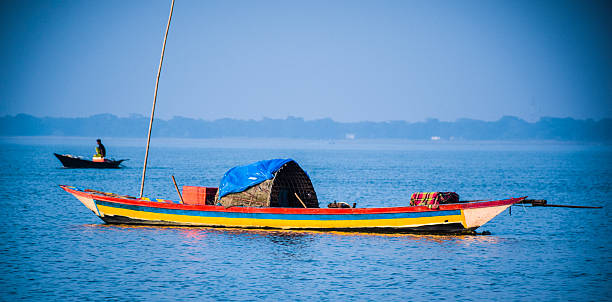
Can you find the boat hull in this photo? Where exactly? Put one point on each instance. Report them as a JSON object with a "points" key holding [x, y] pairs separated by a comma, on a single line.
{"points": [[75, 162], [452, 218]]}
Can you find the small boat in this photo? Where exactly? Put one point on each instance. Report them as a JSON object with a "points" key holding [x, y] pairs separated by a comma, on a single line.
{"points": [[460, 218], [71, 161]]}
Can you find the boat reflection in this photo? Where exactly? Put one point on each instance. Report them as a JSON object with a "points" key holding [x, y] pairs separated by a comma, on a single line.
{"points": [[291, 237]]}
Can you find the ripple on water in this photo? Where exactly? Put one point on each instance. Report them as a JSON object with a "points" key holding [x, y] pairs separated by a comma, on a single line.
{"points": [[53, 247]]}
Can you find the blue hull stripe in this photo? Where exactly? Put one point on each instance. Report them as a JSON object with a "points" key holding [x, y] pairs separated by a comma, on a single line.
{"points": [[280, 216]]}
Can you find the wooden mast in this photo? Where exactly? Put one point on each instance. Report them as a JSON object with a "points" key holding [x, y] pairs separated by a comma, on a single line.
{"points": [[144, 169]]}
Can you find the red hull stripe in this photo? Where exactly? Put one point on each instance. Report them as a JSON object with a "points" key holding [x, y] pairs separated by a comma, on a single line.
{"points": [[310, 211], [285, 216]]}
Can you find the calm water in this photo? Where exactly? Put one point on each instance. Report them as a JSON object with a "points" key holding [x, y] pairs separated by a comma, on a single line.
{"points": [[52, 247]]}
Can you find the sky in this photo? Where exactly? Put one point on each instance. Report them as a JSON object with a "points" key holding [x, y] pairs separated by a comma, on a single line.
{"points": [[345, 60]]}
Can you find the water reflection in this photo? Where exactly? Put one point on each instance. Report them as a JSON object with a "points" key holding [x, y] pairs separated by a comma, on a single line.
{"points": [[282, 237], [297, 237]]}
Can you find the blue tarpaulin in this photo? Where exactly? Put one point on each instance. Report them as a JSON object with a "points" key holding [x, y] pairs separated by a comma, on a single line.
{"points": [[240, 178]]}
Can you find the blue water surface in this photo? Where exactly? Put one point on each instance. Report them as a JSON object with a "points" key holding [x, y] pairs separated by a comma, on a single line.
{"points": [[53, 248]]}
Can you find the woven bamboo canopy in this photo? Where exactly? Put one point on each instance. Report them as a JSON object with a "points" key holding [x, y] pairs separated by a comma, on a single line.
{"points": [[280, 191]]}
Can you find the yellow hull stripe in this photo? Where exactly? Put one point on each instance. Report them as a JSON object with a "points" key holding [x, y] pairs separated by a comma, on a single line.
{"points": [[278, 223]]}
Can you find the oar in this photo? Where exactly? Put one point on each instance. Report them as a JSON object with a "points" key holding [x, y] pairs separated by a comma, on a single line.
{"points": [[533, 202], [300, 200], [177, 190], [544, 203], [566, 206]]}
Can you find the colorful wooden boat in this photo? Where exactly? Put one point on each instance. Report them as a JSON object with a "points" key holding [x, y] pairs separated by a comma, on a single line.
{"points": [[71, 161], [268, 195], [457, 218]]}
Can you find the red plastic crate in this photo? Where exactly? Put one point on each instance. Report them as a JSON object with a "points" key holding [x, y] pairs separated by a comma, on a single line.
{"points": [[193, 195]]}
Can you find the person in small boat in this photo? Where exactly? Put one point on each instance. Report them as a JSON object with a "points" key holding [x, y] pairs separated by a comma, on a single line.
{"points": [[100, 150]]}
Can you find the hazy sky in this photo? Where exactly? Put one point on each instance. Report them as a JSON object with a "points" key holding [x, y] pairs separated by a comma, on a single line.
{"points": [[347, 60]]}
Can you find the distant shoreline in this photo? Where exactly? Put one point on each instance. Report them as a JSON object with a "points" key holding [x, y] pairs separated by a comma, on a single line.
{"points": [[507, 128], [75, 145]]}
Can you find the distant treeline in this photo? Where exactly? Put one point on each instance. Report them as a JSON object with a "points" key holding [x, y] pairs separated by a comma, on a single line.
{"points": [[507, 128]]}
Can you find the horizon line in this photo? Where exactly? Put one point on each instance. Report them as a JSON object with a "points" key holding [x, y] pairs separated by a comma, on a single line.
{"points": [[291, 117]]}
